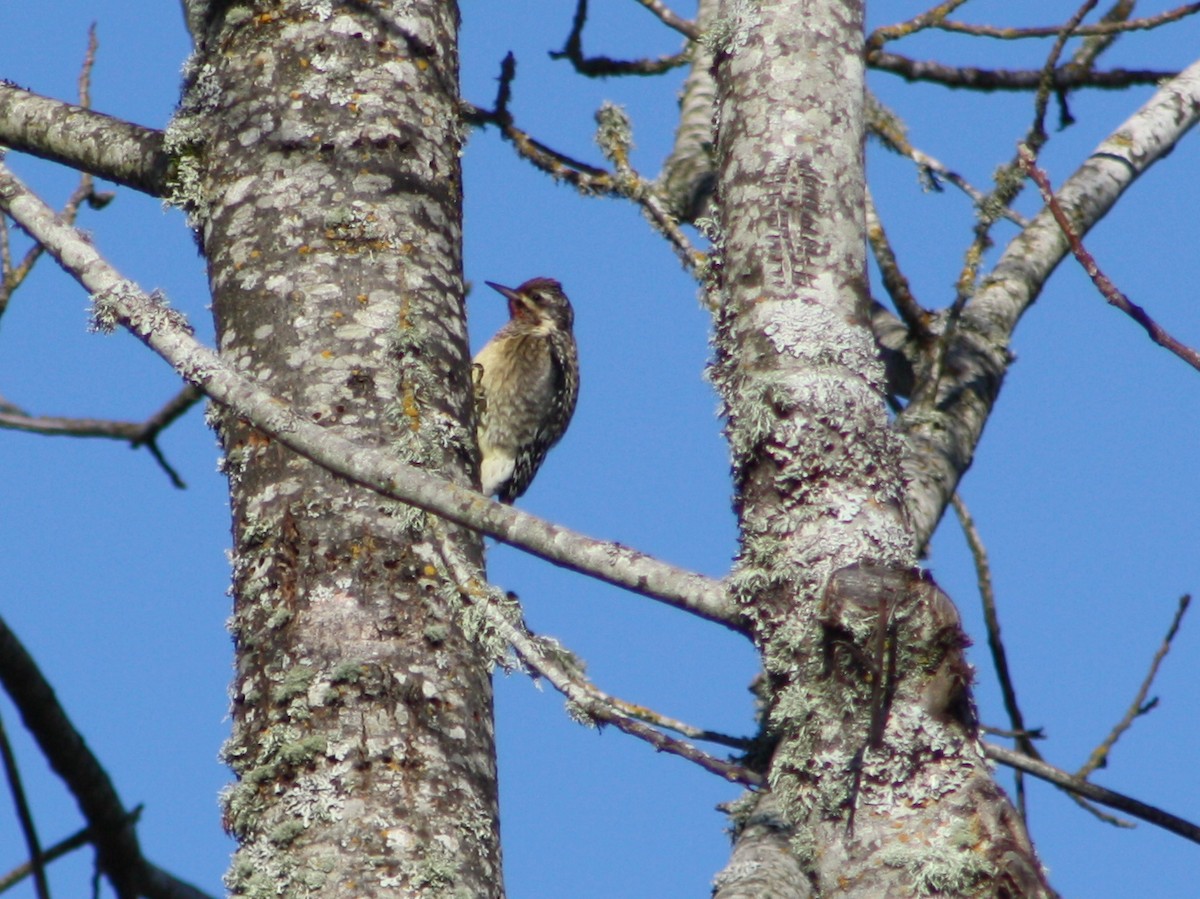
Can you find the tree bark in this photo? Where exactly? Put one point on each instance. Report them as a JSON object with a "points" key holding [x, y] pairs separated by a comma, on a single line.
{"points": [[317, 154], [878, 783], [688, 176], [82, 139]]}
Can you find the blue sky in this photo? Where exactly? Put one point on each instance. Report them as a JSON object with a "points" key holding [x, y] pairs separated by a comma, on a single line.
{"points": [[1084, 486]]}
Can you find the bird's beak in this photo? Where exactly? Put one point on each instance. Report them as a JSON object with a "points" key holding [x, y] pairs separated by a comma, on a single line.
{"points": [[510, 294], [516, 305]]}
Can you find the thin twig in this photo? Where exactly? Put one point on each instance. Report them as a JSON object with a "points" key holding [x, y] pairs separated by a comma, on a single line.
{"points": [[11, 277], [86, 191], [923, 159], [77, 840], [1102, 28], [117, 851], [1046, 85], [928, 19], [604, 66], [973, 78], [1088, 790], [589, 703], [171, 410], [1139, 706], [1020, 733], [157, 455], [1106, 287], [137, 434], [886, 126], [648, 715], [1008, 188], [615, 137], [12, 774], [915, 316], [671, 19], [983, 575], [588, 179], [1035, 734], [55, 426], [1089, 51], [948, 431]]}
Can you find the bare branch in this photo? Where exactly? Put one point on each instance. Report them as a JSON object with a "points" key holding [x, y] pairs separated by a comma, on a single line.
{"points": [[648, 715], [972, 78], [84, 81], [1008, 187], [604, 66], [983, 574], [173, 409], [1089, 790], [89, 141], [931, 18], [1037, 135], [144, 433], [165, 331], [942, 437], [1089, 51], [1100, 29], [1036, 734], [37, 860], [888, 129], [588, 704], [118, 854], [914, 315], [593, 705], [77, 840], [1106, 287], [1020, 733], [615, 137], [669, 18], [588, 179], [1139, 706], [52, 426], [11, 277]]}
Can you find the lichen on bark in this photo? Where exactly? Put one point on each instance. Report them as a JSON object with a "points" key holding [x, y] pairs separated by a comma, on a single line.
{"points": [[317, 153]]}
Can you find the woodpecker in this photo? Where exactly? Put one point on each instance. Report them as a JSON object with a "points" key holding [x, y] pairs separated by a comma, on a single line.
{"points": [[526, 384]]}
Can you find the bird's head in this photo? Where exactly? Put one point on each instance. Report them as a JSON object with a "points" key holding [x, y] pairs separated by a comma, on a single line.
{"points": [[539, 301]]}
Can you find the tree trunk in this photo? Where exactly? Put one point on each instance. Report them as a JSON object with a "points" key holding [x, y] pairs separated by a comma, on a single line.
{"points": [[879, 784], [317, 154]]}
